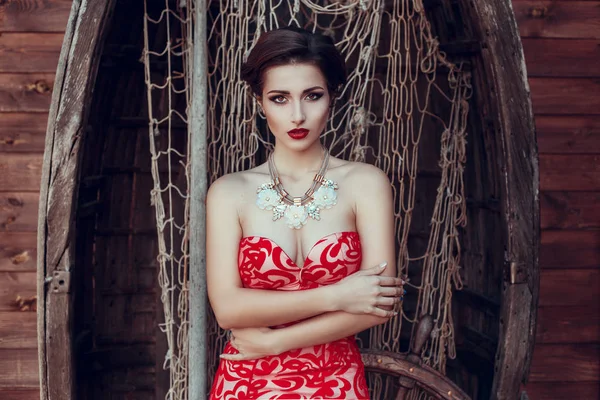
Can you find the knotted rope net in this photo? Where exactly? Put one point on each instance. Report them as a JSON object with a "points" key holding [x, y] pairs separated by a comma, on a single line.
{"points": [[404, 109]]}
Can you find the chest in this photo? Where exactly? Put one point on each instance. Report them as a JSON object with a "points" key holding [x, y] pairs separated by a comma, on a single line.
{"points": [[263, 264], [296, 243]]}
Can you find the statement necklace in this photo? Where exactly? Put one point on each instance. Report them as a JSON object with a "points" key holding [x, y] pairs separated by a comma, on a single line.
{"points": [[296, 210]]}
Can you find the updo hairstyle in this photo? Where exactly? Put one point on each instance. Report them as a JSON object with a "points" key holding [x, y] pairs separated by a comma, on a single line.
{"points": [[291, 45]]}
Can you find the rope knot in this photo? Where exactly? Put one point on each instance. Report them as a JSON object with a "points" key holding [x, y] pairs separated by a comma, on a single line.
{"points": [[365, 54], [359, 119]]}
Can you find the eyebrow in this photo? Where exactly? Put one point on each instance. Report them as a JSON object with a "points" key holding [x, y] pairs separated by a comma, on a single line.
{"points": [[305, 91]]}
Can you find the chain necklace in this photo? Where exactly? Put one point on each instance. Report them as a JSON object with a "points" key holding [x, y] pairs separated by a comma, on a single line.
{"points": [[297, 210]]}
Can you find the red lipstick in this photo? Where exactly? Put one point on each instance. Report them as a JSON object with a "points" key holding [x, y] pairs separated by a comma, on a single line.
{"points": [[298, 134]]}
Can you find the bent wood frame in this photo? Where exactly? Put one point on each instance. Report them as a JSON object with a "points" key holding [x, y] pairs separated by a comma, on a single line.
{"points": [[433, 382], [67, 121], [509, 99]]}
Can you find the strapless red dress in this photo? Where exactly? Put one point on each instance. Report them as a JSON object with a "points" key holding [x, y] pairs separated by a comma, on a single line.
{"points": [[328, 371]]}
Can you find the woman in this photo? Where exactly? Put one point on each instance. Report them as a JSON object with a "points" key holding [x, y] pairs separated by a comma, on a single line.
{"points": [[295, 278]]}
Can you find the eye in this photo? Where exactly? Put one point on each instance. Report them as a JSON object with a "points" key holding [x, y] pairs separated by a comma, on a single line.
{"points": [[314, 96], [278, 99]]}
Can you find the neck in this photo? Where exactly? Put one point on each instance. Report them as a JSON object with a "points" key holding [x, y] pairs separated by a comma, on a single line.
{"points": [[296, 164]]}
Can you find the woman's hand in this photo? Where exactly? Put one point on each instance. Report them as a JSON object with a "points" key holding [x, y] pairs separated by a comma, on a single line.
{"points": [[251, 343], [367, 292]]}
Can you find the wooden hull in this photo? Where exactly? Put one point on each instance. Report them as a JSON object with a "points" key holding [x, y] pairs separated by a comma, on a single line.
{"points": [[98, 334]]}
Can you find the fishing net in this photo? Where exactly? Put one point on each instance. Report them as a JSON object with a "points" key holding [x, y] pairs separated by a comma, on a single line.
{"points": [[404, 109]]}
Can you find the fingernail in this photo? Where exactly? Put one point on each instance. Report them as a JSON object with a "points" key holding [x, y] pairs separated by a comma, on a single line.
{"points": [[403, 281], [395, 313], [383, 265]]}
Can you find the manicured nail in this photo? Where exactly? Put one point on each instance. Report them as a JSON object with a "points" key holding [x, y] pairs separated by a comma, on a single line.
{"points": [[383, 265]]}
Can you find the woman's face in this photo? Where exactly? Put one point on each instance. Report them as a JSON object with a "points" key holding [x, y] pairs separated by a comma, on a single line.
{"points": [[296, 102]]}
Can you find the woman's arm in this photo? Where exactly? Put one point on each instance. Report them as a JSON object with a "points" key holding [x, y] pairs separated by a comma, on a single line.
{"points": [[238, 307], [375, 224]]}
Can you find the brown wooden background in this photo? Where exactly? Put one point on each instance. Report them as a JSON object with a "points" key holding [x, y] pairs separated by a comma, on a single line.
{"points": [[562, 50]]}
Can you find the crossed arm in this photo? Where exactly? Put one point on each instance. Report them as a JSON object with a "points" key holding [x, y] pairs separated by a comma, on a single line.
{"points": [[330, 312]]}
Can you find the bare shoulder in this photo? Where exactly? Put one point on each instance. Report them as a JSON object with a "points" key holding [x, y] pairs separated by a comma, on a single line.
{"points": [[365, 175], [232, 187], [225, 185], [227, 189]]}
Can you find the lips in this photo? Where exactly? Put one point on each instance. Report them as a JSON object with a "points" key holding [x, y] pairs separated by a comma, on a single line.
{"points": [[298, 133]]}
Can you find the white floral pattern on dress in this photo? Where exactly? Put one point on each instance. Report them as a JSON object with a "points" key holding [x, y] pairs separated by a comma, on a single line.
{"points": [[332, 370]]}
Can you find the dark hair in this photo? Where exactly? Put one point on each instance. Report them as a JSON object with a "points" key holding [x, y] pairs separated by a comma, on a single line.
{"points": [[291, 45]]}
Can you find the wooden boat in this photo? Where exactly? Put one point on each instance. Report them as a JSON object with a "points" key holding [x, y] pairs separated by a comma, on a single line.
{"points": [[98, 300]]}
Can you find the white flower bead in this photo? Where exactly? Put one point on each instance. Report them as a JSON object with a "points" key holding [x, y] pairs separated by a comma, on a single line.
{"points": [[296, 216], [325, 197], [266, 199]]}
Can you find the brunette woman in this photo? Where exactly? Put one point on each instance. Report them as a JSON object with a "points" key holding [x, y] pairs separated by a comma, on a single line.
{"points": [[300, 250]]}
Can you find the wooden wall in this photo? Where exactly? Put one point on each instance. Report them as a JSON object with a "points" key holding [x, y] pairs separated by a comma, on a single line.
{"points": [[561, 40], [31, 34], [562, 49]]}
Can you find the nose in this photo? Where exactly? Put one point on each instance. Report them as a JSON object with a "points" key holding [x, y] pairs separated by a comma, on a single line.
{"points": [[298, 116]]}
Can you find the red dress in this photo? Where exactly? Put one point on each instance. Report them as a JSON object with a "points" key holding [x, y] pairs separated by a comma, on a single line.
{"points": [[328, 371]]}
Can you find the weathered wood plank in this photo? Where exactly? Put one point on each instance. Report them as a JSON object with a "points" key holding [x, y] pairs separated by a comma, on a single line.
{"points": [[558, 19], [25, 92], [75, 78], [29, 52], [575, 249], [511, 109], [565, 95], [513, 328], [568, 134], [16, 284], [569, 287], [135, 380], [21, 172], [570, 210], [562, 390], [19, 368], [10, 394], [17, 330], [562, 57], [18, 211], [23, 132], [34, 16], [136, 314], [133, 355], [578, 324], [18, 251], [565, 363], [569, 172]]}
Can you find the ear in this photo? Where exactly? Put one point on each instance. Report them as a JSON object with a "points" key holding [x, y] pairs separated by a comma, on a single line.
{"points": [[259, 100], [332, 98]]}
